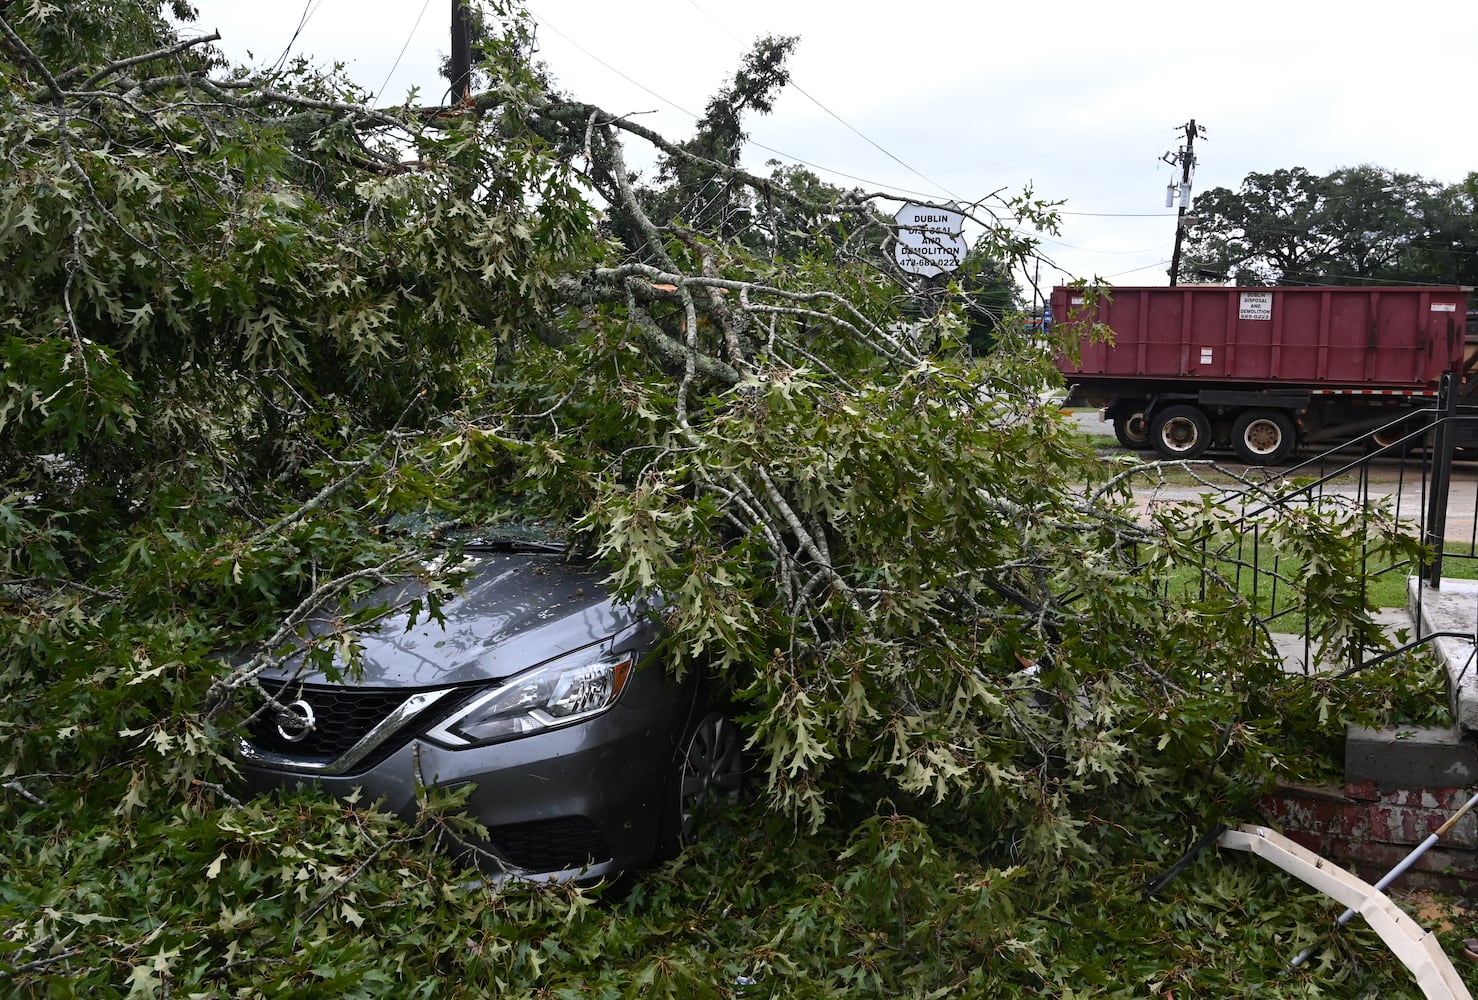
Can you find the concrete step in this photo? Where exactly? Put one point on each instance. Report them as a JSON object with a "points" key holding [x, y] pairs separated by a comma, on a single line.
{"points": [[1402, 783], [1297, 650], [1449, 613]]}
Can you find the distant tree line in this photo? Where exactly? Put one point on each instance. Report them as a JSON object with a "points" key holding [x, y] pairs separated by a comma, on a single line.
{"points": [[1354, 226]]}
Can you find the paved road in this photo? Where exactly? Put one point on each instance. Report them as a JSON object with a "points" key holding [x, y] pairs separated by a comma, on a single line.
{"points": [[1403, 482]]}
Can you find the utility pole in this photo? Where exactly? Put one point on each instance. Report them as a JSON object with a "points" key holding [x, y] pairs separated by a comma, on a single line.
{"points": [[1185, 158], [461, 56]]}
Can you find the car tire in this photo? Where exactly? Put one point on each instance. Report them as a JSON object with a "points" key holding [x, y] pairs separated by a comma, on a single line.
{"points": [[707, 774]]}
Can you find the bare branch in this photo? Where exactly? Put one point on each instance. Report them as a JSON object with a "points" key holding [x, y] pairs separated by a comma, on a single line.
{"points": [[25, 793], [164, 53]]}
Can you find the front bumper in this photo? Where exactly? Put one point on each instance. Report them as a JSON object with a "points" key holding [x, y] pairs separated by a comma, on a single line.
{"points": [[585, 801]]}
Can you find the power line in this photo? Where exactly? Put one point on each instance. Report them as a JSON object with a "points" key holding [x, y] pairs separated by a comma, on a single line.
{"points": [[1289, 227], [748, 142], [1072, 246], [310, 7], [793, 84], [1122, 215], [592, 55], [821, 167], [838, 173], [832, 171], [1135, 270], [846, 124], [396, 65], [1323, 279], [874, 145]]}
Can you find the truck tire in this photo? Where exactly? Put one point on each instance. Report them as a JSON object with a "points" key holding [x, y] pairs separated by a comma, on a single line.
{"points": [[1132, 430], [1180, 432], [1264, 437], [1389, 440]]}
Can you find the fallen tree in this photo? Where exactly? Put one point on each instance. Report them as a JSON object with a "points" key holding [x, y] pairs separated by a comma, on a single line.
{"points": [[256, 325]]}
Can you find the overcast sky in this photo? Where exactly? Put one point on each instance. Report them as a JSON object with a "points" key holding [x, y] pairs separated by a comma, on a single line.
{"points": [[955, 99]]}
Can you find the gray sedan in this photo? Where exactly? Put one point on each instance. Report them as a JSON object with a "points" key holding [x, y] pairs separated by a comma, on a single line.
{"points": [[542, 692]]}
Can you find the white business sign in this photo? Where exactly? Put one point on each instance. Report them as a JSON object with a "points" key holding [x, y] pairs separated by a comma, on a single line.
{"points": [[930, 240], [1256, 305]]}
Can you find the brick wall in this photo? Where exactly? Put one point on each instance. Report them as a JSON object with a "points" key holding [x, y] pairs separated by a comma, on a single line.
{"points": [[1361, 827]]}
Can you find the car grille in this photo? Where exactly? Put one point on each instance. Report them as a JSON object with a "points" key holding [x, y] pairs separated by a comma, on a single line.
{"points": [[550, 845], [342, 717]]}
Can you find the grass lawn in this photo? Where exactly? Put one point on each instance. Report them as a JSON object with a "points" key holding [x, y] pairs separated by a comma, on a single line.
{"points": [[1261, 572], [1271, 579]]}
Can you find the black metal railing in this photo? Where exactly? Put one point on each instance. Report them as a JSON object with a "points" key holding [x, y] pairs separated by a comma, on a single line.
{"points": [[1409, 467]]}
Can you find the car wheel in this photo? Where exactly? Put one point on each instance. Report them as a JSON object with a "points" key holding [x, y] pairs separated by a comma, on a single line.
{"points": [[708, 773]]}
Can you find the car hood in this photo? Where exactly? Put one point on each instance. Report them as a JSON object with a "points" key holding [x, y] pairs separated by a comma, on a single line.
{"points": [[514, 611]]}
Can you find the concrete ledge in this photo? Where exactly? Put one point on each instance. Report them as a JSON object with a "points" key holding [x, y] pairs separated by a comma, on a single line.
{"points": [[1451, 608], [1401, 757], [1402, 783]]}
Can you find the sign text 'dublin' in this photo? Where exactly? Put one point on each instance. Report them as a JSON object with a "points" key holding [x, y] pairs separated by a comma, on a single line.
{"points": [[930, 240]]}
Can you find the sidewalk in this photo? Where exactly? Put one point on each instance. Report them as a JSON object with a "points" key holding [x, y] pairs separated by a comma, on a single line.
{"points": [[1296, 651]]}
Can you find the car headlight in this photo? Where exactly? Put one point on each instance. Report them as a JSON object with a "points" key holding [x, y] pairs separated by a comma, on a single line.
{"points": [[546, 697]]}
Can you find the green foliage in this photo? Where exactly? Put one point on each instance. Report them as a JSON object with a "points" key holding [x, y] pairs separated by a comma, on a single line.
{"points": [[308, 899], [255, 326], [1447, 251], [167, 263]]}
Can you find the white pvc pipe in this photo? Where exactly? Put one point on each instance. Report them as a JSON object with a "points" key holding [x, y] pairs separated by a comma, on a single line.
{"points": [[1396, 872]]}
